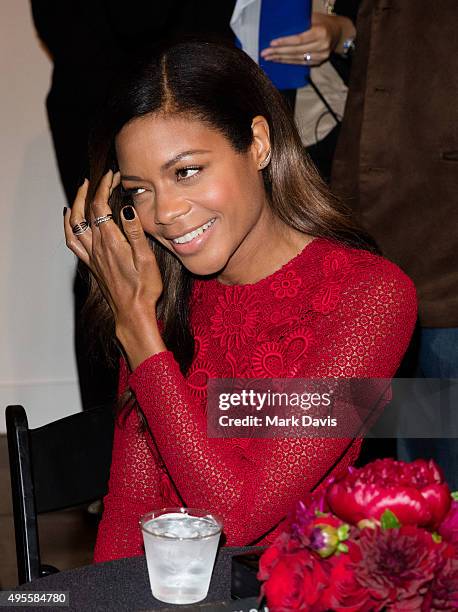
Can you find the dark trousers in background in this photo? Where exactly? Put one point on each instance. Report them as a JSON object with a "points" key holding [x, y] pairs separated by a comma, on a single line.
{"points": [[437, 358]]}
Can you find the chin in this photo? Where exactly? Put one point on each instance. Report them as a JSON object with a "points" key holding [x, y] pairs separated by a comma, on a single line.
{"points": [[205, 266]]}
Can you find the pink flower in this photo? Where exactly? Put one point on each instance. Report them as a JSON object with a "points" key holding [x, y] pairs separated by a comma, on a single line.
{"points": [[449, 527]]}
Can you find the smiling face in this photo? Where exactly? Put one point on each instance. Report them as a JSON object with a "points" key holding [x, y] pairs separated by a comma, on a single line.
{"points": [[194, 192]]}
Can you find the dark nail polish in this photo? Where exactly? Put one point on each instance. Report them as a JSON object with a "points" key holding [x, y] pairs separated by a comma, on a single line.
{"points": [[128, 213], [65, 210]]}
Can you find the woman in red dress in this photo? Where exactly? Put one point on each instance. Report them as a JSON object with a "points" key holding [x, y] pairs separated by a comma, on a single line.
{"points": [[226, 257]]}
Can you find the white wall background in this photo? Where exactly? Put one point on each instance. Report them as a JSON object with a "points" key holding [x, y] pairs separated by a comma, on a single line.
{"points": [[37, 364]]}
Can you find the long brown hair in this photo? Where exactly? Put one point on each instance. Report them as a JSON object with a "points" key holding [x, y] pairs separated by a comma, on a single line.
{"points": [[222, 87]]}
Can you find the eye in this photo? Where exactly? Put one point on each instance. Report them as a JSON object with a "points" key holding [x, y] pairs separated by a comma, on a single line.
{"points": [[133, 192], [184, 174], [137, 191]]}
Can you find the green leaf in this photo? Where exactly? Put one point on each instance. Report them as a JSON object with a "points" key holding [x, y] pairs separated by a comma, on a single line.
{"points": [[319, 513], [343, 532], [342, 547], [389, 520], [454, 495]]}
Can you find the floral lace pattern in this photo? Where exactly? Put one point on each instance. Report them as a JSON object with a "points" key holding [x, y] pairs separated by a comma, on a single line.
{"points": [[332, 311], [286, 284], [235, 318]]}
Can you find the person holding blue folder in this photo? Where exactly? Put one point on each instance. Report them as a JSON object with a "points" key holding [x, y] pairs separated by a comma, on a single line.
{"points": [[287, 39]]}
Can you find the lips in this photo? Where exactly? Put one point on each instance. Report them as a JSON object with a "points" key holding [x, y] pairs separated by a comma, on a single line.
{"points": [[191, 234], [193, 242]]}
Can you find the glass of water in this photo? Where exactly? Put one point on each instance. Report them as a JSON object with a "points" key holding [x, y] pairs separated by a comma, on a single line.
{"points": [[180, 547]]}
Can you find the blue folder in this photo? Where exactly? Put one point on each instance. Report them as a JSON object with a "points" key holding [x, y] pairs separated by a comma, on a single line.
{"points": [[283, 18]]}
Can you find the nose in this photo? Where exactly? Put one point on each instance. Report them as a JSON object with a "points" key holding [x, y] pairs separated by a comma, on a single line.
{"points": [[169, 207]]}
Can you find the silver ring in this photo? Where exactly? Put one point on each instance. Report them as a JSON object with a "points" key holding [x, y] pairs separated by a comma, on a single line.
{"points": [[99, 220], [307, 57], [80, 228]]}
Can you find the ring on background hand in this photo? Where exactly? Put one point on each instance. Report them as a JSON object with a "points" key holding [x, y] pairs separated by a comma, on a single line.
{"points": [[307, 57], [99, 220], [80, 228]]}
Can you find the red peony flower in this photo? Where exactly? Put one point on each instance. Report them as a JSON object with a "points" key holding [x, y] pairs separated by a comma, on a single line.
{"points": [[415, 492], [397, 566], [284, 544], [344, 593], [296, 582], [449, 527], [268, 560], [320, 562]]}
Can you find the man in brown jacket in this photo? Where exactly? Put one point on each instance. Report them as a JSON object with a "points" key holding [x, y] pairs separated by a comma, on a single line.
{"points": [[396, 166]]}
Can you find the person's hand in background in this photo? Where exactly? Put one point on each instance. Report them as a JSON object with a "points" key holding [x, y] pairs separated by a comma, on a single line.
{"points": [[312, 47]]}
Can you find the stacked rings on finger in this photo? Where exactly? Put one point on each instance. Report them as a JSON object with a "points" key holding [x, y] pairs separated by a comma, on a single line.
{"points": [[99, 220], [307, 57], [80, 228]]}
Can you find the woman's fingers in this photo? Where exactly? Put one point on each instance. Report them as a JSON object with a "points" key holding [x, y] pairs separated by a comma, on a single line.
{"points": [[105, 229], [80, 236], [73, 241], [295, 53], [294, 49], [302, 58], [133, 229], [316, 42], [79, 203], [144, 259], [302, 38], [99, 205], [80, 231], [115, 182]]}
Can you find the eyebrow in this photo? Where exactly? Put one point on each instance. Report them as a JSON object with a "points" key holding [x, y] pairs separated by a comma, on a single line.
{"points": [[169, 163]]}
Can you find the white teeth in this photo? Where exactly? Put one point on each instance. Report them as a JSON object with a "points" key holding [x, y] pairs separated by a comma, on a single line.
{"points": [[191, 235]]}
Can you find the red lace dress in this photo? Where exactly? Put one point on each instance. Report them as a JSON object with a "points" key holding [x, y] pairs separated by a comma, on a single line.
{"points": [[331, 311]]}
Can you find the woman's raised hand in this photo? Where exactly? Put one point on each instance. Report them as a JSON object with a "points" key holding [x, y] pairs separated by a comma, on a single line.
{"points": [[314, 46], [123, 264]]}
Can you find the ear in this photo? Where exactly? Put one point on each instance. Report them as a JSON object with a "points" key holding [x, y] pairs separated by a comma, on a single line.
{"points": [[260, 147]]}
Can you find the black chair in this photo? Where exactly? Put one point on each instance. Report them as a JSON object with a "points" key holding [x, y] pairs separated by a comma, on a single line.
{"points": [[60, 465]]}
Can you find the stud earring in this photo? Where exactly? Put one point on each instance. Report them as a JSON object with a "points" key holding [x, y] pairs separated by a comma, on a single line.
{"points": [[266, 160]]}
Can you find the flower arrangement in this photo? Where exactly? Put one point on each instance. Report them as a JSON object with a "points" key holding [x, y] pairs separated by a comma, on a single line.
{"points": [[382, 537]]}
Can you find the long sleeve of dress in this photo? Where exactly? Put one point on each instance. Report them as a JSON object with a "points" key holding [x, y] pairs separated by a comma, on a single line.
{"points": [[366, 325], [134, 488]]}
